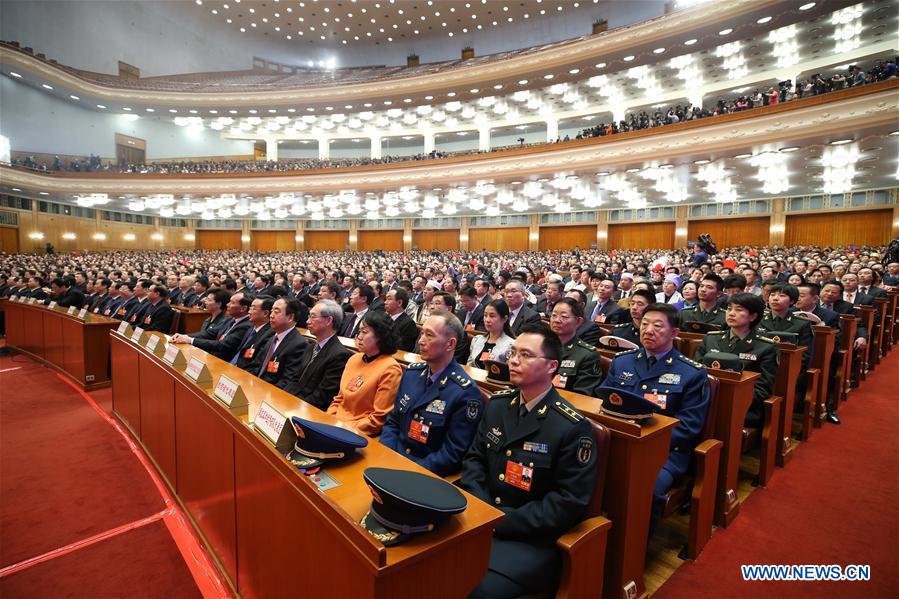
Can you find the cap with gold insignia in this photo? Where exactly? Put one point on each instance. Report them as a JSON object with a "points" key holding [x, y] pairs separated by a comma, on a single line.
{"points": [[693, 326], [405, 504], [782, 336], [723, 361], [808, 316], [497, 372], [625, 404], [613, 343], [318, 443]]}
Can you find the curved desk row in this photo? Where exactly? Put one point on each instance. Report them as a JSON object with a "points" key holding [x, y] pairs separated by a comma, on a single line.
{"points": [[78, 347], [273, 532]]}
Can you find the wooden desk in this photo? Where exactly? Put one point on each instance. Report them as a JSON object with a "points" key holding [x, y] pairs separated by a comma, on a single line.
{"points": [[788, 372], [259, 516], [734, 399], [636, 455], [191, 319], [77, 348]]}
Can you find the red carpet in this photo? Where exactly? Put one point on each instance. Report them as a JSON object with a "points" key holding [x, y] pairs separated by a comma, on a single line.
{"points": [[835, 503], [70, 479]]}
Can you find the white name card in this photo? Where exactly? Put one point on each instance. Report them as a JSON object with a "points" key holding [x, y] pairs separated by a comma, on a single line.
{"points": [[229, 393], [123, 329], [52, 305], [82, 314], [137, 334], [22, 299], [153, 344], [71, 311], [273, 425], [198, 372], [31, 300], [174, 357]]}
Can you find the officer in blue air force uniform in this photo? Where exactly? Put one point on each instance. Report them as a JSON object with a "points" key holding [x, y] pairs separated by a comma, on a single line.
{"points": [[438, 407], [676, 384]]}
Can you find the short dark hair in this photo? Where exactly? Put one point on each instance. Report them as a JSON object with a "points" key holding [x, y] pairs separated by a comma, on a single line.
{"points": [[382, 325], [834, 282], [754, 303], [448, 299], [203, 280], [572, 303], [291, 306], [645, 294], [581, 295], [246, 300], [719, 282], [670, 312], [401, 296], [787, 289], [161, 290], [60, 282], [551, 345], [332, 287], [219, 295], [732, 281], [367, 292], [502, 308], [468, 291], [814, 288], [267, 302], [230, 284]]}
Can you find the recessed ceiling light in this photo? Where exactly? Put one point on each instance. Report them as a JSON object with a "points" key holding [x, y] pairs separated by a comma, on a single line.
{"points": [[192, 111], [628, 58], [473, 90], [388, 102], [548, 76], [16, 189], [14, 74], [522, 82], [151, 110], [172, 110], [451, 95], [690, 42], [658, 50], [213, 112], [727, 31], [632, 170], [739, 156], [100, 106], [45, 86], [574, 71], [498, 86], [44, 193], [894, 132], [807, 6], [701, 161], [600, 65], [841, 142], [407, 100], [763, 20], [789, 149]]}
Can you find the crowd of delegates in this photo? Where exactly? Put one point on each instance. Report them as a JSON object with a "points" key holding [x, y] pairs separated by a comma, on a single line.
{"points": [[785, 91], [541, 314]]}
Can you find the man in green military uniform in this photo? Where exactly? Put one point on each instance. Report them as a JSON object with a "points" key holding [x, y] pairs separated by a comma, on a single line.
{"points": [[533, 457], [779, 319], [579, 369], [707, 310], [639, 301], [757, 353]]}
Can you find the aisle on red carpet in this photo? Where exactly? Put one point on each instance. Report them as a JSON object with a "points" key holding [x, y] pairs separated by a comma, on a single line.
{"points": [[69, 476], [835, 503]]}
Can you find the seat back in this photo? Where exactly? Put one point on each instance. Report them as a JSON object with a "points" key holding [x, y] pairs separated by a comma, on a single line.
{"points": [[605, 362], [176, 317], [708, 429], [602, 441]]}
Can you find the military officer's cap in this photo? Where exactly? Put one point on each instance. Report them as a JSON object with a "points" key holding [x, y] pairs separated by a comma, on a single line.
{"points": [[613, 343], [723, 361], [811, 316], [782, 337], [405, 504], [625, 404], [693, 326], [497, 372], [318, 443]]}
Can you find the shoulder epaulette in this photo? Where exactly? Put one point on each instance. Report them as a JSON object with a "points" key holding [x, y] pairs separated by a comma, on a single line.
{"points": [[689, 361], [623, 324], [463, 380], [417, 365], [766, 339], [566, 410], [716, 332], [585, 345], [504, 394], [624, 353]]}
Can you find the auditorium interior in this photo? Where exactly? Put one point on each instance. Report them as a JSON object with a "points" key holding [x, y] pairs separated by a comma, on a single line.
{"points": [[449, 298]]}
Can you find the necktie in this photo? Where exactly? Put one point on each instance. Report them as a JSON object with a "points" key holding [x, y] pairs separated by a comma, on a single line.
{"points": [[347, 332], [522, 411], [652, 361], [315, 351], [829, 306], [864, 290], [244, 344], [268, 355]]}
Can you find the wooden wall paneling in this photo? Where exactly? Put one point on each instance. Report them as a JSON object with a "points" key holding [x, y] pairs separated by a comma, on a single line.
{"points": [[9, 240], [732, 232], [498, 238], [567, 238], [327, 240], [389, 241], [125, 384], [273, 241], [641, 236], [205, 473], [157, 416], [435, 239], [862, 227], [218, 240]]}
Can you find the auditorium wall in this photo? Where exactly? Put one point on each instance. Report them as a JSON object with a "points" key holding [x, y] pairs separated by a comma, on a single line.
{"points": [[641, 235], [389, 241], [567, 238], [435, 239], [218, 240], [508, 238], [732, 232], [273, 241], [857, 227], [327, 240]]}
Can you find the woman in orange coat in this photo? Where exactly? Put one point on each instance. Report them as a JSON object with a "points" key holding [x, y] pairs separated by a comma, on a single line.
{"points": [[371, 377]]}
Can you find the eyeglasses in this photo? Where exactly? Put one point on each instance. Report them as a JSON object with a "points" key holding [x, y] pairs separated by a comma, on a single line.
{"points": [[560, 317], [524, 356]]}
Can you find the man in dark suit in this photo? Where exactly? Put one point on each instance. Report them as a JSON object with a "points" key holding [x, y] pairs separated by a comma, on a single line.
{"points": [[831, 293], [604, 309], [867, 284], [102, 298], [188, 295], [279, 361], [851, 292], [258, 333], [405, 327], [470, 312], [65, 295], [224, 340], [200, 289], [322, 363], [136, 313], [546, 303], [34, 289], [158, 315], [520, 314], [360, 299], [810, 301]]}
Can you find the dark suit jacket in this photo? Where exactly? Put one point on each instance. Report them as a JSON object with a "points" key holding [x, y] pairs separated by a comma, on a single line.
{"points": [[477, 318], [377, 305], [861, 299], [613, 313], [318, 381], [175, 296], [38, 294], [223, 341], [160, 317], [190, 299], [525, 316], [407, 331], [828, 317], [288, 356], [844, 307], [252, 340], [877, 292], [72, 297]]}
